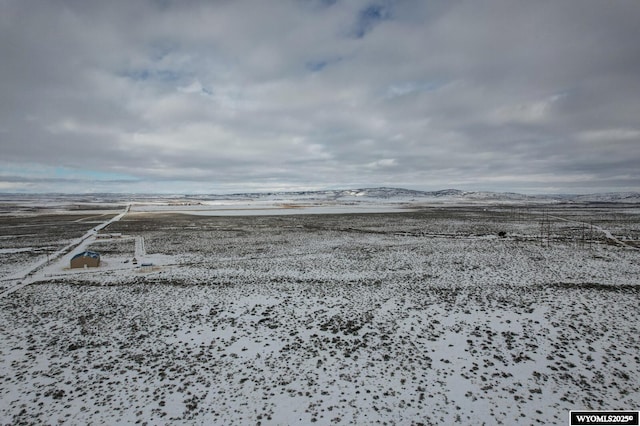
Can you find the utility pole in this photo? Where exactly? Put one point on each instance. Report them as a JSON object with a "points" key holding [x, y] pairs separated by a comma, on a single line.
{"points": [[542, 231]]}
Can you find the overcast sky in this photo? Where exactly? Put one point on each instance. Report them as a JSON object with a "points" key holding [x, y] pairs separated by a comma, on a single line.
{"points": [[234, 96]]}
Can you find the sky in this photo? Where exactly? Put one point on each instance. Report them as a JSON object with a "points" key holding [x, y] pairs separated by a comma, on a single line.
{"points": [[220, 96]]}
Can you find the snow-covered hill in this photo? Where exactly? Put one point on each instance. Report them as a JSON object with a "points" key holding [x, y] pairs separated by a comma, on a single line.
{"points": [[609, 197], [409, 195], [340, 196]]}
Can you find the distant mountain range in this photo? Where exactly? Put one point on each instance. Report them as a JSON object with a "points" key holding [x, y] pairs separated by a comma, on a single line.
{"points": [[349, 195], [402, 194]]}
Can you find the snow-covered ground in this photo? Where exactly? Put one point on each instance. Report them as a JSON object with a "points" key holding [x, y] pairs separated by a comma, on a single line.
{"points": [[424, 316], [271, 209]]}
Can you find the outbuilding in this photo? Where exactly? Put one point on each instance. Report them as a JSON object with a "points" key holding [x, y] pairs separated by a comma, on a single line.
{"points": [[89, 259]]}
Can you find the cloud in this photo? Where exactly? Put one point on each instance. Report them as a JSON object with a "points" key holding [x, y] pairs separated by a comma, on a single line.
{"points": [[370, 16], [384, 163], [527, 113], [236, 95], [610, 135]]}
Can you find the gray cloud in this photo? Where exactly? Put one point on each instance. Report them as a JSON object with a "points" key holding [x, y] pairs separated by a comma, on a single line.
{"points": [[239, 95]]}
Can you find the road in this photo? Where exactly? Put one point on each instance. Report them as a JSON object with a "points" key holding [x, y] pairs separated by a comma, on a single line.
{"points": [[26, 276], [606, 232]]}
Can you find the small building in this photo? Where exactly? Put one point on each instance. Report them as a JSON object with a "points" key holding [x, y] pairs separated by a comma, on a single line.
{"points": [[105, 236], [146, 267], [85, 259]]}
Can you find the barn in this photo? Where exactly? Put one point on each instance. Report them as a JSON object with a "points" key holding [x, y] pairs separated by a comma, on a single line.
{"points": [[85, 259]]}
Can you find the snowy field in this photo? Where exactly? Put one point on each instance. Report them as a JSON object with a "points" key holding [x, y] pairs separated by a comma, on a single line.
{"points": [[469, 314]]}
